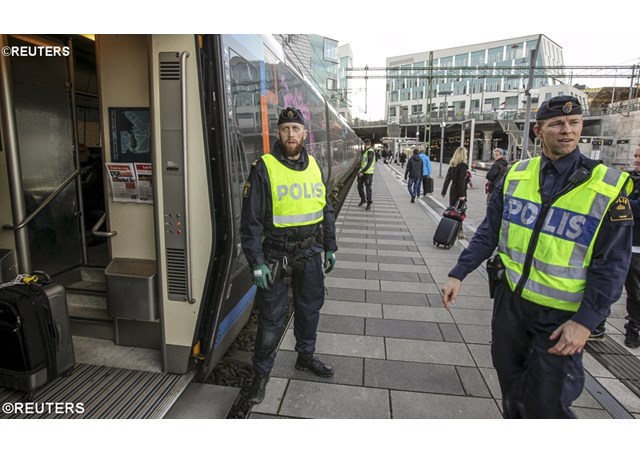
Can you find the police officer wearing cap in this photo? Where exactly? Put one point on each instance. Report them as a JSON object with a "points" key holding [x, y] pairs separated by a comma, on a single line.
{"points": [[287, 222], [563, 228], [365, 174]]}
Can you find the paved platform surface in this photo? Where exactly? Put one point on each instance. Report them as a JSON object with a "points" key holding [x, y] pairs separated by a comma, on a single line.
{"points": [[397, 352]]}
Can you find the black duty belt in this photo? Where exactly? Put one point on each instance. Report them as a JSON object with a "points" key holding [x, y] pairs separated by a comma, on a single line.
{"points": [[289, 247]]}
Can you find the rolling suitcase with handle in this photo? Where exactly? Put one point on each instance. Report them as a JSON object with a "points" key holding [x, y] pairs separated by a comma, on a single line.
{"points": [[451, 222], [446, 233]]}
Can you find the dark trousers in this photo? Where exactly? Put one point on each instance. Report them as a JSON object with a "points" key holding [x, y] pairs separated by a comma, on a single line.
{"points": [[534, 383], [365, 181], [632, 285], [307, 285], [413, 185]]}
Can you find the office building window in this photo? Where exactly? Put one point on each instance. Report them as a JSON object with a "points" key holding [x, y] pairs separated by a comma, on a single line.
{"points": [[495, 55], [331, 50], [477, 58], [515, 51]]}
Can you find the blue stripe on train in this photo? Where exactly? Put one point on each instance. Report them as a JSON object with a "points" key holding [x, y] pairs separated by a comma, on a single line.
{"points": [[233, 315]]}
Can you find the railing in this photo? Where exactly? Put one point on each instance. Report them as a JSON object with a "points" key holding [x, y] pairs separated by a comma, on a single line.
{"points": [[44, 204]]}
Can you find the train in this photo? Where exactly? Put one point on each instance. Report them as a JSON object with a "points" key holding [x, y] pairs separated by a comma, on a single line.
{"points": [[168, 125]]}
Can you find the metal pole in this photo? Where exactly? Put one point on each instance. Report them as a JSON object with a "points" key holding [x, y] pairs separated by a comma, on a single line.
{"points": [[472, 135], [442, 126], [527, 114], [76, 147], [427, 131], [10, 145]]}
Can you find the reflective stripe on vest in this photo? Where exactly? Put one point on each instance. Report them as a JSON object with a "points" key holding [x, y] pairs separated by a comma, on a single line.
{"points": [[297, 197], [563, 251], [364, 160]]}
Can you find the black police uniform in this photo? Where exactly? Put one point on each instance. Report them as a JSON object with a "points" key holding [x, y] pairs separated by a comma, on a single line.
{"points": [[632, 282], [366, 180], [520, 327], [535, 383], [298, 251]]}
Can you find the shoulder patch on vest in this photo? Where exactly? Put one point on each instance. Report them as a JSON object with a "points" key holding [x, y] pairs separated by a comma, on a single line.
{"points": [[247, 188], [620, 210]]}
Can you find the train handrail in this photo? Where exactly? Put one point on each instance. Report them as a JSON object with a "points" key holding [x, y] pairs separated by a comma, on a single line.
{"points": [[187, 236], [44, 204], [102, 234]]}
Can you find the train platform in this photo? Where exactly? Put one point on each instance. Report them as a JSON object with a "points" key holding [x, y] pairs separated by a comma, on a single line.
{"points": [[398, 354]]}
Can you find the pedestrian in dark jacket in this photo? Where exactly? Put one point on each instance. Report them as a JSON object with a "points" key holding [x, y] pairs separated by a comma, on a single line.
{"points": [[414, 172], [457, 177], [497, 171], [403, 158]]}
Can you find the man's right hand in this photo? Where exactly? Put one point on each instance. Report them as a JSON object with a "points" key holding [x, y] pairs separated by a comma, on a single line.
{"points": [[261, 276], [450, 291]]}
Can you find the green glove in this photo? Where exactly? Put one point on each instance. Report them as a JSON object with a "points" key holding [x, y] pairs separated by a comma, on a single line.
{"points": [[329, 261], [261, 276]]}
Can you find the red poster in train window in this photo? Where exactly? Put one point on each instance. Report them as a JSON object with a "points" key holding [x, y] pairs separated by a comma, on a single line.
{"points": [[270, 76]]}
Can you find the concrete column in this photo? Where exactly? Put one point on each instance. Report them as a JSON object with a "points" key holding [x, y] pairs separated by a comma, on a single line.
{"points": [[486, 145]]}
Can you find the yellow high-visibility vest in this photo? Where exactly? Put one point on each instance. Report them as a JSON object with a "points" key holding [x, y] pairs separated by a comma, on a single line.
{"points": [[563, 251], [298, 197], [365, 159]]}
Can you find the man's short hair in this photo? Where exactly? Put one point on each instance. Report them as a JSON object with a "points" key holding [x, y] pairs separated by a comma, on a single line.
{"points": [[559, 106], [367, 141], [498, 150]]}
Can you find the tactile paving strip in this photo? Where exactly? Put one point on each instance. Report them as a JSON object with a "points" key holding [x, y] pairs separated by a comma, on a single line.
{"points": [[622, 364]]}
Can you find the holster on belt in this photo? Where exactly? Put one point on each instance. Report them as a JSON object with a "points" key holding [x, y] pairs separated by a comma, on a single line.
{"points": [[495, 270]]}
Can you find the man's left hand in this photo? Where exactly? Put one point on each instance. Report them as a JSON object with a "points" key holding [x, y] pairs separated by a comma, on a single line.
{"points": [[329, 261], [572, 338]]}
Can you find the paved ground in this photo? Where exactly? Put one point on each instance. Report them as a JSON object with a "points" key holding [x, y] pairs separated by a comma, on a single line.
{"points": [[397, 352]]}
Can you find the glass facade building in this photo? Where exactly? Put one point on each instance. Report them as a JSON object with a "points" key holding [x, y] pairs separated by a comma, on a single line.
{"points": [[477, 78]]}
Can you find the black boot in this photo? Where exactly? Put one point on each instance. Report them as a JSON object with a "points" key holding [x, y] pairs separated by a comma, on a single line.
{"points": [[368, 208], [632, 337], [361, 202], [256, 391], [314, 365]]}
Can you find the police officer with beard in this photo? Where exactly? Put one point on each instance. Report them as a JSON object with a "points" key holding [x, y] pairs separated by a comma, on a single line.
{"points": [[287, 222], [563, 226]]}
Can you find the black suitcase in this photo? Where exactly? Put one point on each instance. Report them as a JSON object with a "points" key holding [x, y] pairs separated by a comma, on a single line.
{"points": [[446, 233], [429, 185], [35, 336]]}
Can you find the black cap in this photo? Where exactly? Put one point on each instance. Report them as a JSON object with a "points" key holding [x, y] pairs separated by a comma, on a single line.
{"points": [[559, 106], [290, 115]]}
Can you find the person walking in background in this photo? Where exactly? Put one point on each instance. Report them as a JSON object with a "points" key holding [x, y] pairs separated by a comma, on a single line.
{"points": [[365, 174], [414, 172], [563, 227], [496, 172], [457, 177], [403, 158], [283, 237], [427, 183]]}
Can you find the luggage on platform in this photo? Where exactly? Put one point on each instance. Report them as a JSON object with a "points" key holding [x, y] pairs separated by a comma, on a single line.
{"points": [[447, 232], [35, 335], [429, 185], [451, 222]]}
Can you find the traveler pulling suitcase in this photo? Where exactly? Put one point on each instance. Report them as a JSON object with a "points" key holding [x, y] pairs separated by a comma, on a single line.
{"points": [[35, 335]]}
